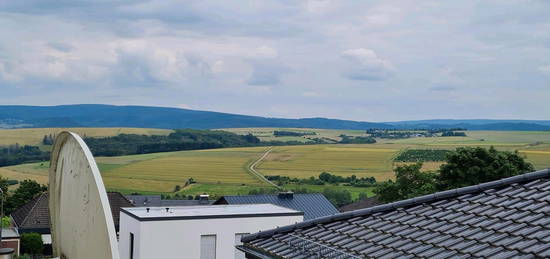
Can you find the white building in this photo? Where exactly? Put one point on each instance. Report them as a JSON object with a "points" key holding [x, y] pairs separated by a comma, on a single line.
{"points": [[202, 232]]}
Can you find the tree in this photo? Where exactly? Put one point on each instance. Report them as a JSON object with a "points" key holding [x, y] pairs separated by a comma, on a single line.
{"points": [[4, 183], [474, 165], [31, 243], [177, 188], [6, 222], [363, 196], [28, 190], [409, 182], [337, 197]]}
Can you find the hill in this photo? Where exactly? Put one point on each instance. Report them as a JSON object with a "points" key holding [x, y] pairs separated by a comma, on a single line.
{"points": [[98, 115]]}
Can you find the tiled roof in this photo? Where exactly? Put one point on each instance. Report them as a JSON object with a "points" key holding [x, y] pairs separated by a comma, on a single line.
{"points": [[34, 216], [314, 205], [361, 204], [500, 219]]}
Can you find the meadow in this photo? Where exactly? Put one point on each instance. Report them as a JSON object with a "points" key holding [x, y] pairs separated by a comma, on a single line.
{"points": [[225, 171]]}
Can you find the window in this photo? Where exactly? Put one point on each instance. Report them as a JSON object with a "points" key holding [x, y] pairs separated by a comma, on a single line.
{"points": [[208, 246], [131, 245], [238, 253]]}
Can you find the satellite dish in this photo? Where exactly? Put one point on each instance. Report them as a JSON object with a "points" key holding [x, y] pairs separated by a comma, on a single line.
{"points": [[80, 216]]}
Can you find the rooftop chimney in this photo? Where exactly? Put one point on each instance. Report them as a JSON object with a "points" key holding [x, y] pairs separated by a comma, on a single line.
{"points": [[203, 198], [286, 195]]}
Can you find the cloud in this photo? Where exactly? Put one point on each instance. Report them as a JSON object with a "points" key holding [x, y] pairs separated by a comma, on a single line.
{"points": [[144, 65], [314, 58], [366, 65], [443, 88], [60, 46], [544, 70], [267, 68], [266, 73]]}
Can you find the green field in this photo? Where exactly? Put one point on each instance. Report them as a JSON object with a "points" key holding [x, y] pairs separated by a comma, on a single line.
{"points": [[225, 171]]}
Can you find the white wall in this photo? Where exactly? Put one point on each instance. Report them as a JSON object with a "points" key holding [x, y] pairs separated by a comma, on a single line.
{"points": [[181, 238]]}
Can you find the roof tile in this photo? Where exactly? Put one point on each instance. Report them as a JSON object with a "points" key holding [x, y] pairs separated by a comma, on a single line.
{"points": [[501, 219]]}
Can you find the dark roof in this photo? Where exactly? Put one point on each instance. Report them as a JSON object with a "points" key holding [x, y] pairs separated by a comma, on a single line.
{"points": [[156, 201], [117, 201], [500, 219], [34, 216], [314, 205], [361, 204]]}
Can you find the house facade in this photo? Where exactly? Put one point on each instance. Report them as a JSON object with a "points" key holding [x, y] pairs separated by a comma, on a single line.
{"points": [[202, 232]]}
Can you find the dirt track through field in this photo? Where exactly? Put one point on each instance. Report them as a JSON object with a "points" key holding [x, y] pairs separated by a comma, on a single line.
{"points": [[255, 173]]}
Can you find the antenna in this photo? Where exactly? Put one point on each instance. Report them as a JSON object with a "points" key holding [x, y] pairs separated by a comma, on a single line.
{"points": [[80, 216]]}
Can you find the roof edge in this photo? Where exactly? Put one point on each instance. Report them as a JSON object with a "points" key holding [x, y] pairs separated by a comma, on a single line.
{"points": [[404, 203]]}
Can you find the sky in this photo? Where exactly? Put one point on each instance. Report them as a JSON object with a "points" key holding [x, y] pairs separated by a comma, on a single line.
{"points": [[359, 60]]}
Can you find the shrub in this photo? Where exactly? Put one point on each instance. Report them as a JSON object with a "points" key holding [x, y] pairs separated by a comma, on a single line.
{"points": [[31, 243]]}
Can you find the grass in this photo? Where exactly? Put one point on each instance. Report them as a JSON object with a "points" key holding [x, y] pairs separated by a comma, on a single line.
{"points": [[163, 173], [345, 160], [34, 136], [224, 171]]}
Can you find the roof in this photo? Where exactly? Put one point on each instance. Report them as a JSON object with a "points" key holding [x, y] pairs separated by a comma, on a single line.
{"points": [[34, 216], [157, 201], [361, 204], [200, 212], [314, 205], [9, 233], [500, 219]]}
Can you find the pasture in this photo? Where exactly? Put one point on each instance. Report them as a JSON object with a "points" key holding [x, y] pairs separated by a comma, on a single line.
{"points": [[225, 171]]}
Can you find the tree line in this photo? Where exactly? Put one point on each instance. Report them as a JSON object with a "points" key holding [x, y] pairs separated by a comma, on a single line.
{"points": [[16, 154], [283, 133], [463, 167], [453, 134], [422, 155], [325, 178]]}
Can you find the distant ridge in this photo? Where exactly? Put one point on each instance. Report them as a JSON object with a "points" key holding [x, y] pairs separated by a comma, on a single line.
{"points": [[99, 115]]}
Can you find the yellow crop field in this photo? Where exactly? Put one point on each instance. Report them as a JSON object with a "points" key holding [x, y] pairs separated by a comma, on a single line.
{"points": [[539, 159], [307, 161], [227, 169], [217, 166], [34, 136]]}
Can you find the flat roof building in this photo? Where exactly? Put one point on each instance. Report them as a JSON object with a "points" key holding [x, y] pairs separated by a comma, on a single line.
{"points": [[196, 231]]}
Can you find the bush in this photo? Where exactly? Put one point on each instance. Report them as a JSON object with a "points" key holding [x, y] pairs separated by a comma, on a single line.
{"points": [[31, 243]]}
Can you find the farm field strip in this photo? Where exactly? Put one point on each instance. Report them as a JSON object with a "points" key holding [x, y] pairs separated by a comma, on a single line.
{"points": [[34, 136], [307, 161], [227, 169]]}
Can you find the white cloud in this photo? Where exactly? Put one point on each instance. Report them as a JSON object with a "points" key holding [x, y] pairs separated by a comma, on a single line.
{"points": [[545, 69], [383, 15], [218, 54], [265, 52], [367, 65]]}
